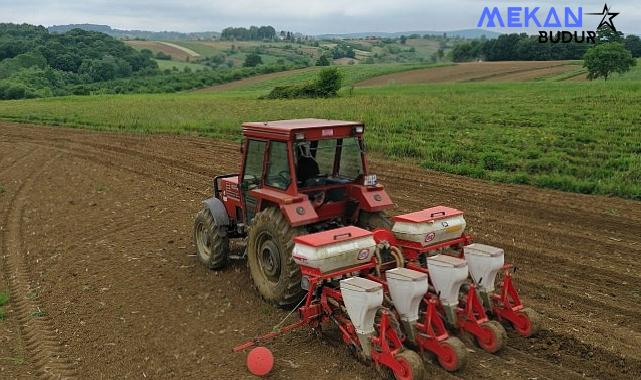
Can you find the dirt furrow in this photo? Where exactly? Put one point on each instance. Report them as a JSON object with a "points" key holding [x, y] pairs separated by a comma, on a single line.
{"points": [[47, 353]]}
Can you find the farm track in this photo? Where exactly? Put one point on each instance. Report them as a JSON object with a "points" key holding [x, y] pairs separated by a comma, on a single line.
{"points": [[132, 199], [177, 52], [41, 341]]}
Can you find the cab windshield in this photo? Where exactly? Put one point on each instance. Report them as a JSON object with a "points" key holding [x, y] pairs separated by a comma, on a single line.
{"points": [[332, 161]]}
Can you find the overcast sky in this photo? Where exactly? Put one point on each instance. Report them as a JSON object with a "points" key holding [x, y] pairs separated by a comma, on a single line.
{"points": [[306, 16]]}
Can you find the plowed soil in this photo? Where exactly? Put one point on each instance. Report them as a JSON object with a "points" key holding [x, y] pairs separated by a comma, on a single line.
{"points": [[509, 71], [96, 250]]}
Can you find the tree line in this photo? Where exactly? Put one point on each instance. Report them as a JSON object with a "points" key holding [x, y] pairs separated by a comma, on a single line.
{"points": [[523, 47], [254, 33]]}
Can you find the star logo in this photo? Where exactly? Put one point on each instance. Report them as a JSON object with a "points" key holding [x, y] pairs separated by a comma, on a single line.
{"points": [[607, 17]]}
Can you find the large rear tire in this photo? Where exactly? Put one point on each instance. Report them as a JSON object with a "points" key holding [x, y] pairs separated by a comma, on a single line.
{"points": [[269, 255], [211, 246]]}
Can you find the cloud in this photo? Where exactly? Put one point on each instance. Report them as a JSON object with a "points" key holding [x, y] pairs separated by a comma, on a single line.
{"points": [[307, 16]]}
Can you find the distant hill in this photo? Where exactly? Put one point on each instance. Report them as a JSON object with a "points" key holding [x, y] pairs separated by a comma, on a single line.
{"points": [[463, 33], [136, 34], [179, 36]]}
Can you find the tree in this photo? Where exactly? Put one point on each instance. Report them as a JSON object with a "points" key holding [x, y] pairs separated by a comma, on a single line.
{"points": [[403, 39], [98, 69], [342, 50], [606, 34], [605, 59], [633, 43], [329, 82], [252, 60], [323, 61]]}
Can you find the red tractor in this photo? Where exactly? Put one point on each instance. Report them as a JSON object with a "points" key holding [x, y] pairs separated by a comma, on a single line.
{"points": [[296, 177]]}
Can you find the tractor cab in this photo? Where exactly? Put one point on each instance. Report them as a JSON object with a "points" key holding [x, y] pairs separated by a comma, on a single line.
{"points": [[313, 170]]}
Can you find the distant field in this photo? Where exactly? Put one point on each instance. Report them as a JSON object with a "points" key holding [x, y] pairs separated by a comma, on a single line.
{"points": [[186, 50], [477, 72], [352, 75], [366, 51], [256, 80], [176, 52], [581, 137], [164, 64]]}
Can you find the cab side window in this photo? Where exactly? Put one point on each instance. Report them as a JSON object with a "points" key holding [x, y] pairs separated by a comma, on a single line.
{"points": [[278, 175], [254, 163]]}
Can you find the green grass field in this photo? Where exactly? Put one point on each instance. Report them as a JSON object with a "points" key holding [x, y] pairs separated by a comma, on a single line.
{"points": [[580, 137]]}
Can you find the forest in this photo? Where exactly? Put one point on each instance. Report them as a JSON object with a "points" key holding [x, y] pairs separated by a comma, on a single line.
{"points": [[35, 63]]}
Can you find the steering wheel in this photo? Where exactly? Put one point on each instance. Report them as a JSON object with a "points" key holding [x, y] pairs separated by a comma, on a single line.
{"points": [[284, 174], [250, 180], [318, 198]]}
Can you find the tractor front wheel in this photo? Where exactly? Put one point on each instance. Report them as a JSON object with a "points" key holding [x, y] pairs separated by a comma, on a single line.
{"points": [[269, 255], [212, 244]]}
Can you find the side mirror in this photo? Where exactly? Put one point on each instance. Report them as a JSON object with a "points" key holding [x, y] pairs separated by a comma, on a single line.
{"points": [[362, 145]]}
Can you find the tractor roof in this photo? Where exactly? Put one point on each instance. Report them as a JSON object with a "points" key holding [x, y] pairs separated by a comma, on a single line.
{"points": [[287, 128], [296, 124]]}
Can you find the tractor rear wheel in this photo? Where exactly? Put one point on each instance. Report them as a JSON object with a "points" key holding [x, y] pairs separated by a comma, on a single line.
{"points": [[373, 220], [269, 255], [212, 244]]}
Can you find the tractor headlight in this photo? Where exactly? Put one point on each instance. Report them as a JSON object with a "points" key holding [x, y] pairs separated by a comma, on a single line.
{"points": [[358, 129], [370, 180]]}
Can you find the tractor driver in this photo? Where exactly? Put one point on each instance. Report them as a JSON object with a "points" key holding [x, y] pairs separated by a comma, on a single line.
{"points": [[306, 165]]}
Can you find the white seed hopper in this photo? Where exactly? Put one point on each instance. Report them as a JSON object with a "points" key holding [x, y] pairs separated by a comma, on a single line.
{"points": [[430, 226], [407, 288], [484, 262], [447, 274], [362, 298], [335, 249]]}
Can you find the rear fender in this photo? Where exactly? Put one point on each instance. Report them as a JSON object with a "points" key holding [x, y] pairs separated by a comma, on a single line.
{"points": [[371, 199], [299, 213], [219, 213]]}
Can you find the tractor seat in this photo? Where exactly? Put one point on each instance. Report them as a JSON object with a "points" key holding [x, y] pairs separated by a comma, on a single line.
{"points": [[306, 169]]}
